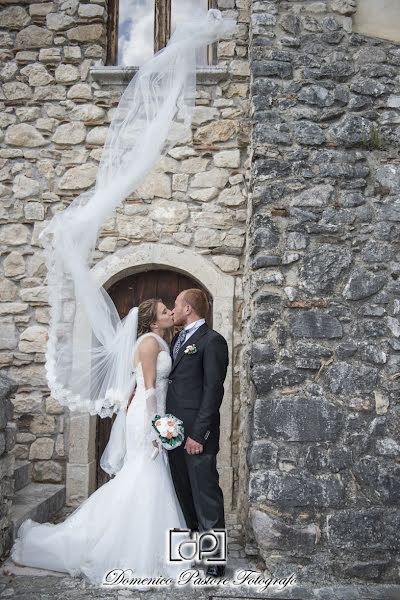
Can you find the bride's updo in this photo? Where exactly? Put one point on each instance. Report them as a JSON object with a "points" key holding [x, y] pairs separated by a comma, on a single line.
{"points": [[147, 314]]}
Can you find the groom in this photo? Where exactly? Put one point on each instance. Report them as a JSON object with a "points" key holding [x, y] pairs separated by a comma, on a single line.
{"points": [[195, 392]]}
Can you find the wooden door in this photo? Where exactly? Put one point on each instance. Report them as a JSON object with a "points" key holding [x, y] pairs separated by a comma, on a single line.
{"points": [[129, 292]]}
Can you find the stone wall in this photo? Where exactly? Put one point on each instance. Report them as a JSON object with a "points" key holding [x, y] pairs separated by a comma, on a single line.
{"points": [[323, 280], [54, 121], [7, 461]]}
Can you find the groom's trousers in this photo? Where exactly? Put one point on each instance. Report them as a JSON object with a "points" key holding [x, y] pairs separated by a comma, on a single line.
{"points": [[196, 482]]}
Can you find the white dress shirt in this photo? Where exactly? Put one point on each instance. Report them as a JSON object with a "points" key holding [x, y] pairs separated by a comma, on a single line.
{"points": [[192, 327]]}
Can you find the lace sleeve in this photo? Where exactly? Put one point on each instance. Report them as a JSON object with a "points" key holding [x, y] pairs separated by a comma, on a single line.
{"points": [[151, 411]]}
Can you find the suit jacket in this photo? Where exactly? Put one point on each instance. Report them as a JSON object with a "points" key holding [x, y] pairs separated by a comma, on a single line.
{"points": [[196, 386]]}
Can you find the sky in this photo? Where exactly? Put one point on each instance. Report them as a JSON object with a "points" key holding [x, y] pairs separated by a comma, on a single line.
{"points": [[136, 28]]}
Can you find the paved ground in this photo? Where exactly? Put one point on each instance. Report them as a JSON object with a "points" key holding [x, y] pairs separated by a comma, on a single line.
{"points": [[23, 583], [45, 587]]}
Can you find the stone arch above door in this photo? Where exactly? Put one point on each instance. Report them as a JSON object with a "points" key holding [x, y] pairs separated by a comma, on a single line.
{"points": [[81, 466], [130, 291], [163, 283]]}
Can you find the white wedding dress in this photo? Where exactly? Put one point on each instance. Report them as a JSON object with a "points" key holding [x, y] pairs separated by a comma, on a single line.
{"points": [[124, 524]]}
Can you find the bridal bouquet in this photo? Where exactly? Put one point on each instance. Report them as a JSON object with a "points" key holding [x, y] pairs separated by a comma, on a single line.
{"points": [[170, 430]]}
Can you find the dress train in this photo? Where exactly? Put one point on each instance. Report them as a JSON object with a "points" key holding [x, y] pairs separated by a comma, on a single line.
{"points": [[124, 524]]}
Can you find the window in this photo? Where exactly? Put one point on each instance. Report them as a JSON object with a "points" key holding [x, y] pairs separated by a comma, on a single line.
{"points": [[138, 28]]}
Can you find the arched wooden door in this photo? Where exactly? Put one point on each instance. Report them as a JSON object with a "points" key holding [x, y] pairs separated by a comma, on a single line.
{"points": [[131, 291]]}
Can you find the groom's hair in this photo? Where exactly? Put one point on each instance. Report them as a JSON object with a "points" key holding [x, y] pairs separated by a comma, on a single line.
{"points": [[198, 301]]}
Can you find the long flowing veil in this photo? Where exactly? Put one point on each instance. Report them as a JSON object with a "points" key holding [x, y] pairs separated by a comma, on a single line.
{"points": [[89, 353]]}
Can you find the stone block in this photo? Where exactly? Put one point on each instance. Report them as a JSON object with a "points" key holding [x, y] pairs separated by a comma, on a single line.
{"points": [[370, 528], [47, 471], [42, 424], [346, 378], [273, 533], [315, 324], [41, 449], [269, 377], [297, 419], [33, 339], [290, 490]]}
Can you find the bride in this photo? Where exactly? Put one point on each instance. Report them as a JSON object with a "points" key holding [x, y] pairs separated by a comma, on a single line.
{"points": [[124, 524]]}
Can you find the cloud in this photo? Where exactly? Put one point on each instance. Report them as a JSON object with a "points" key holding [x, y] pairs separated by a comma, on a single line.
{"points": [[136, 28], [135, 32]]}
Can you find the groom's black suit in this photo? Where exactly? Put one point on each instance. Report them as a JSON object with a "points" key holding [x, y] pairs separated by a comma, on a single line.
{"points": [[195, 392]]}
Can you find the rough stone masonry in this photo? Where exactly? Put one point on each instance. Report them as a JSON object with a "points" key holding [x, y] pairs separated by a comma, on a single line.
{"points": [[315, 437], [324, 294], [53, 124]]}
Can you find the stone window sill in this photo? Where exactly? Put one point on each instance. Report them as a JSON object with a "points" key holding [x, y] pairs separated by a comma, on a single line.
{"points": [[116, 75]]}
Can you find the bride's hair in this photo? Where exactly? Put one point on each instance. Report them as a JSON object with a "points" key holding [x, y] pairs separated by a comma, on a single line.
{"points": [[147, 314]]}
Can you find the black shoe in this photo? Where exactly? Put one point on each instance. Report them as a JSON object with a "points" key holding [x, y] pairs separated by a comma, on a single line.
{"points": [[215, 571]]}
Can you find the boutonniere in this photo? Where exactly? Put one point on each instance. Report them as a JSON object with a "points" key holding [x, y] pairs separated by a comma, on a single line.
{"points": [[190, 349]]}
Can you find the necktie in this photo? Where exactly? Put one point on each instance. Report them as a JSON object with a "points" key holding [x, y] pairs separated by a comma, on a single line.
{"points": [[179, 342]]}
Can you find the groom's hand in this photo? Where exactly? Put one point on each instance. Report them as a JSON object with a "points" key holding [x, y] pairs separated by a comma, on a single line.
{"points": [[193, 447]]}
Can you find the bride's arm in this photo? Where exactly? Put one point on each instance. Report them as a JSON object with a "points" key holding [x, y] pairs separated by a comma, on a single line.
{"points": [[130, 399], [148, 352]]}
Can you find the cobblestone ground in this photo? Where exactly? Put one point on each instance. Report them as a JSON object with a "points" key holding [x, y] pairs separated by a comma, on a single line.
{"points": [[23, 583]]}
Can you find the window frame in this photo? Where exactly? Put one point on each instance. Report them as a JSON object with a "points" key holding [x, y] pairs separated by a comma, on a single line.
{"points": [[162, 31]]}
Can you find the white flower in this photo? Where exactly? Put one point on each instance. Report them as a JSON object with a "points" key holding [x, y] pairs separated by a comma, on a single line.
{"points": [[167, 425], [191, 349]]}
